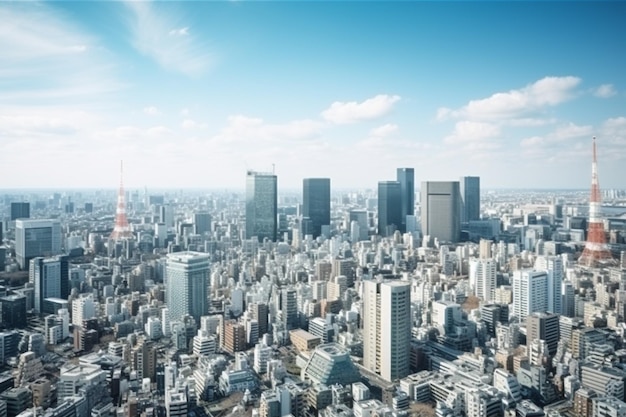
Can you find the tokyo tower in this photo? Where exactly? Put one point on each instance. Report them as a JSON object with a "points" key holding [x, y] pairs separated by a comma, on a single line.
{"points": [[596, 251], [122, 229]]}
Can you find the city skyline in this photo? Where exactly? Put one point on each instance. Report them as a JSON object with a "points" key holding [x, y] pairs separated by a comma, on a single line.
{"points": [[191, 95]]}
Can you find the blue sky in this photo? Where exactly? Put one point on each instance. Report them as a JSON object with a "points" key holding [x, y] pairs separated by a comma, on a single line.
{"points": [[191, 94]]}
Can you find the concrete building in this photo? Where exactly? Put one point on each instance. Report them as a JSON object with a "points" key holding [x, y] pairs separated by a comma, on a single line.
{"points": [[387, 328], [441, 210], [530, 292], [406, 178]]}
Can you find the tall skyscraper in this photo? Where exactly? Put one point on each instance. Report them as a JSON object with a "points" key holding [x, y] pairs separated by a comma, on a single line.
{"points": [[389, 207], [530, 292], [387, 328], [406, 178], [261, 205], [441, 207], [470, 198], [187, 277], [20, 210], [202, 223], [50, 278], [36, 238], [316, 204]]}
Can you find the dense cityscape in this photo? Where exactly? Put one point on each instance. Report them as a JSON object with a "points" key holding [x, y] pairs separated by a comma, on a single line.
{"points": [[444, 300]]}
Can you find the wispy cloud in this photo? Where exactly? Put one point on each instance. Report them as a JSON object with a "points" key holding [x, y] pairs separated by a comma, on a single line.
{"points": [[151, 111], [46, 56], [547, 92], [350, 112], [156, 32], [604, 91], [192, 124]]}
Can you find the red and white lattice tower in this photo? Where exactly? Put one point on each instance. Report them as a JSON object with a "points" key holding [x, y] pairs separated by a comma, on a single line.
{"points": [[596, 250], [122, 229]]}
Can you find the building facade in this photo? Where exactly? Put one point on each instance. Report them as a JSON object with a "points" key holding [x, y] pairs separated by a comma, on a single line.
{"points": [[315, 205], [35, 238], [261, 206], [187, 277], [406, 178], [389, 207], [441, 210]]}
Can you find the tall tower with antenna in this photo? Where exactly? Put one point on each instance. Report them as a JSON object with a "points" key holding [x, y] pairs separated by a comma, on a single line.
{"points": [[596, 252], [122, 229]]}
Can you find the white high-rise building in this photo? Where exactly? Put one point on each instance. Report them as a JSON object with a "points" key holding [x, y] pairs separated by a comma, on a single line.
{"points": [[166, 327], [387, 328], [483, 278], [187, 290], [530, 292], [83, 308], [553, 265], [203, 344]]}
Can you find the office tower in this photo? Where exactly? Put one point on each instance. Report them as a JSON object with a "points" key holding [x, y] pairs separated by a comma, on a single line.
{"points": [[166, 215], [406, 178], [543, 326], [568, 299], [386, 328], [596, 250], [202, 223], [122, 228], [261, 206], [187, 285], [315, 205], [20, 211], [389, 207], [553, 265], [50, 278], [13, 310], [289, 308], [441, 206], [483, 278], [492, 314], [530, 292], [470, 198], [260, 312], [36, 238]]}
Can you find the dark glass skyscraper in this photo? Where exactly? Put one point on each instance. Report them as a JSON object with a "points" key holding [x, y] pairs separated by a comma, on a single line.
{"points": [[20, 211], [406, 178], [316, 205], [389, 210], [470, 198], [261, 205]]}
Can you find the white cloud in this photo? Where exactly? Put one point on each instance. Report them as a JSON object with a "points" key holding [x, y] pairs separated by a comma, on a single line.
{"points": [[549, 91], [151, 111], [468, 131], [384, 130], [350, 112], [174, 49], [192, 124], [250, 130], [605, 91]]}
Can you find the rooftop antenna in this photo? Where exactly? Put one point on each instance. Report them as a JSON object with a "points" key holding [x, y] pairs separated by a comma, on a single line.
{"points": [[273, 168]]}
